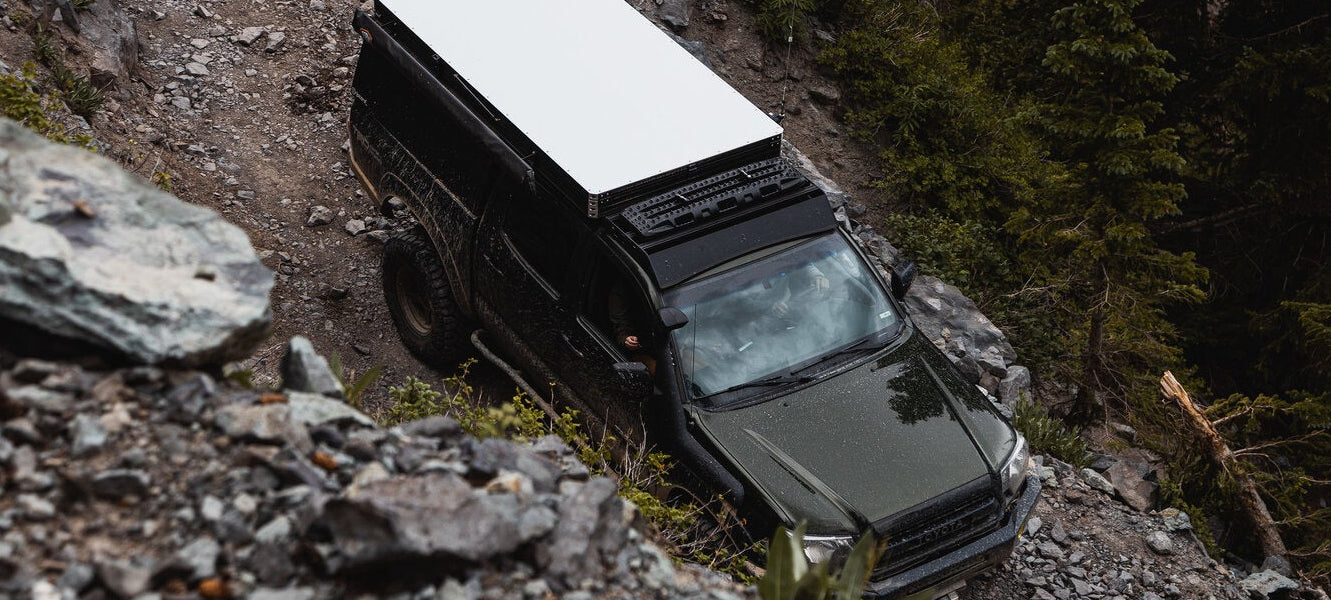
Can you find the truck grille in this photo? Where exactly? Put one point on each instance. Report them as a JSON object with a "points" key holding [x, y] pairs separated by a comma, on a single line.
{"points": [[932, 532], [708, 198]]}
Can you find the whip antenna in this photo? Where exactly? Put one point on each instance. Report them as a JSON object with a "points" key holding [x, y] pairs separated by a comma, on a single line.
{"points": [[785, 79]]}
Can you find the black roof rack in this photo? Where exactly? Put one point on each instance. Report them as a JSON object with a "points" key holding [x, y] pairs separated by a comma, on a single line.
{"points": [[745, 186]]}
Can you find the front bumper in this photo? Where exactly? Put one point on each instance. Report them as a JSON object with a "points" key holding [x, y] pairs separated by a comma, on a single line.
{"points": [[943, 573]]}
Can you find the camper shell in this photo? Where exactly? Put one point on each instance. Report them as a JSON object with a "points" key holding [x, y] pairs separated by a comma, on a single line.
{"points": [[573, 175]]}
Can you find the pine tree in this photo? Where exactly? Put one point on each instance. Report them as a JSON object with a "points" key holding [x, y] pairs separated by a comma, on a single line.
{"points": [[1105, 82]]}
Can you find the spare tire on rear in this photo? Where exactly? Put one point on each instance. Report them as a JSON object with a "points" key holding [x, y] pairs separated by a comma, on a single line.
{"points": [[421, 301]]}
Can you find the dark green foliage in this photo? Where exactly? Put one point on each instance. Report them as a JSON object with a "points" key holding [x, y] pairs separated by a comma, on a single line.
{"points": [[79, 95], [946, 140], [20, 101], [44, 47], [782, 20], [1047, 435], [1106, 81]]}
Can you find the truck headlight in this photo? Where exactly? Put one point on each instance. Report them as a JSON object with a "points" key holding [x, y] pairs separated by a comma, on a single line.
{"points": [[831, 549], [1014, 470]]}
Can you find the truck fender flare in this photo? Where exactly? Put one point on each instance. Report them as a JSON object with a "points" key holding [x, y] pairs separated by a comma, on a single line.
{"points": [[392, 187]]}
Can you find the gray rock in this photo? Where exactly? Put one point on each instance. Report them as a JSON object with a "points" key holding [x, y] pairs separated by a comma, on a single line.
{"points": [[1102, 462], [35, 507], [1033, 526], [1097, 482], [147, 278], [588, 534], [1278, 564], [494, 455], [88, 435], [248, 36], [77, 577], [314, 409], [1174, 519], [291, 593], [674, 13], [197, 69], [945, 315], [124, 579], [1267, 583], [1015, 386], [270, 564], [695, 48], [1160, 543], [201, 557], [437, 427], [270, 423], [825, 94], [304, 370], [40, 398], [115, 484], [22, 431], [187, 401], [319, 215], [1058, 534], [275, 41], [356, 227], [1127, 480], [276, 531], [400, 517], [108, 43]]}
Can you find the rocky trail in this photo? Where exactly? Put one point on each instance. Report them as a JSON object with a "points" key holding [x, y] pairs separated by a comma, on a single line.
{"points": [[154, 482]]}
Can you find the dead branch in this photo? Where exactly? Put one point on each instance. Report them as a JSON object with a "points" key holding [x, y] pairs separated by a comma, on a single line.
{"points": [[1268, 535]]}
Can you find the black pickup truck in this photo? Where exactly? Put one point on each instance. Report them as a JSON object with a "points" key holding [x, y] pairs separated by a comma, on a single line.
{"points": [[619, 221]]}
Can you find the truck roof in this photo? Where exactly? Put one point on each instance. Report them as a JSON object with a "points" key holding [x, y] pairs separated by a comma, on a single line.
{"points": [[593, 84]]}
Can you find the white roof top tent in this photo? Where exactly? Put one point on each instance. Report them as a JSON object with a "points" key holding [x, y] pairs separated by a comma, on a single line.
{"points": [[594, 85]]}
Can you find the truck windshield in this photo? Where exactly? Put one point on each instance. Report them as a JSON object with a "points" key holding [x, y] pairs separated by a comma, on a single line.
{"points": [[770, 320]]}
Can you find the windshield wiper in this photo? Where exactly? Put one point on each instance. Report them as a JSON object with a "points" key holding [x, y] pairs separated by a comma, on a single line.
{"points": [[778, 379], [863, 344]]}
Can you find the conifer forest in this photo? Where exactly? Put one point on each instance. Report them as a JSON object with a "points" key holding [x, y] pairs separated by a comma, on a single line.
{"points": [[1126, 187]]}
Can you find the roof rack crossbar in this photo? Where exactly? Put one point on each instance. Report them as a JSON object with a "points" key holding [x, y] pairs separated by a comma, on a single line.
{"points": [[711, 197]]}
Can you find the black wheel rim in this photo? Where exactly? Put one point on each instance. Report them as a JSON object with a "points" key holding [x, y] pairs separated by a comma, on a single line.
{"points": [[412, 298]]}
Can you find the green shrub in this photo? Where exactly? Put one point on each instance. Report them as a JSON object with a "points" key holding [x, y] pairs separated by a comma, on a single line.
{"points": [[782, 20], [79, 95], [20, 101], [1047, 435]]}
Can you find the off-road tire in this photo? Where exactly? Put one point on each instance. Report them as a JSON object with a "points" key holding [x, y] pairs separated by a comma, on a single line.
{"points": [[420, 300]]}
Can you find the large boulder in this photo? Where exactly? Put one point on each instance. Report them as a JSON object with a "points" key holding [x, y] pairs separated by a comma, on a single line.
{"points": [[954, 323], [96, 261], [107, 37]]}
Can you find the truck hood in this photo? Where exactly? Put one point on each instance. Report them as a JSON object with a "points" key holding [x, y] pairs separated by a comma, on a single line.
{"points": [[862, 445]]}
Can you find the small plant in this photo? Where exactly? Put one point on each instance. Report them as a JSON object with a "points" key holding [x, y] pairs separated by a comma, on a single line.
{"points": [[782, 20], [414, 400], [44, 48], [1047, 435], [353, 386], [81, 97], [789, 575], [83, 4], [162, 180]]}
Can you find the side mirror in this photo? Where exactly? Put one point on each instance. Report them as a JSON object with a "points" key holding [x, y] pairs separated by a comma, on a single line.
{"points": [[672, 318], [633, 380], [903, 275]]}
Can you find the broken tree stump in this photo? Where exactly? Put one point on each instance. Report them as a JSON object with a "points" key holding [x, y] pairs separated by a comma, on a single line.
{"points": [[1268, 535]]}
